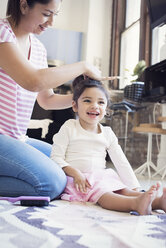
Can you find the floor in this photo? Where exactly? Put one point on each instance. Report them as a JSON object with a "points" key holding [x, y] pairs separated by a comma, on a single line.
{"points": [[145, 182], [80, 225]]}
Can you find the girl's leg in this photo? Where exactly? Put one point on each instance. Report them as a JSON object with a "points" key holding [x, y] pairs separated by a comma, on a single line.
{"points": [[158, 202], [117, 202], [130, 192], [24, 170]]}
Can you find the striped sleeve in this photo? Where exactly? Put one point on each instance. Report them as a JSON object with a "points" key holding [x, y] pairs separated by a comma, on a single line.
{"points": [[6, 34]]}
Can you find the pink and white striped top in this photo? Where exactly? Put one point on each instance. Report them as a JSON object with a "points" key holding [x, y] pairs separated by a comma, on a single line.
{"points": [[16, 103]]}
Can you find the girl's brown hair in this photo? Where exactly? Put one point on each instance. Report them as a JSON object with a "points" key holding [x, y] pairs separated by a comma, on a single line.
{"points": [[80, 84]]}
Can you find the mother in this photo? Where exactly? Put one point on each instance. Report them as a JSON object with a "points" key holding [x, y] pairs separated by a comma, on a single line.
{"points": [[25, 166]]}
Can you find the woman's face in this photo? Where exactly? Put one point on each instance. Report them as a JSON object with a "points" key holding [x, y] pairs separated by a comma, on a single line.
{"points": [[40, 17]]}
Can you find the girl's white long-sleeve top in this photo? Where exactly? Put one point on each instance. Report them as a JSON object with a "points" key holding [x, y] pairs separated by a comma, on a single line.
{"points": [[86, 151]]}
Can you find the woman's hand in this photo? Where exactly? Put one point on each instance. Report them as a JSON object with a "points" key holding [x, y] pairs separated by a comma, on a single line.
{"points": [[95, 73], [92, 72]]}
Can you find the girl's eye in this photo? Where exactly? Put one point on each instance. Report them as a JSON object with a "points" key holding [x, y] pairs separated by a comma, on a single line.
{"points": [[86, 100], [101, 102]]}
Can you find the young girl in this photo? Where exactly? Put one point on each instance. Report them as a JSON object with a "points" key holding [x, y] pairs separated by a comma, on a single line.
{"points": [[80, 149]]}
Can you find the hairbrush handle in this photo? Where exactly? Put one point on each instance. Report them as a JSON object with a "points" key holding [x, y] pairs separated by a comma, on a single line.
{"points": [[26, 198]]}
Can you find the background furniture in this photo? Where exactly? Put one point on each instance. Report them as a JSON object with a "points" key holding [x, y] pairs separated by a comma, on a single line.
{"points": [[150, 130], [53, 118], [131, 103], [161, 119]]}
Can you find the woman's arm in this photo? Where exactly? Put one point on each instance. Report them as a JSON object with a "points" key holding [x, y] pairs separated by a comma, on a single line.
{"points": [[48, 100], [21, 70]]}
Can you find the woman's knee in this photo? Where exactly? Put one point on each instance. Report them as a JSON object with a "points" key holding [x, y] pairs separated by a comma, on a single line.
{"points": [[49, 183], [28, 165], [54, 185]]}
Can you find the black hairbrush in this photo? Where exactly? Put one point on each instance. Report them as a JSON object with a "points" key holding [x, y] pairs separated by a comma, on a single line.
{"points": [[38, 201]]}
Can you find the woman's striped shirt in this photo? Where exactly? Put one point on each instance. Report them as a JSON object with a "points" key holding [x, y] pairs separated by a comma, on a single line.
{"points": [[16, 103]]}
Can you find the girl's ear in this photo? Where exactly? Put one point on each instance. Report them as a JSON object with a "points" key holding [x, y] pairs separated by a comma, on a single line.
{"points": [[109, 112], [74, 106], [23, 7]]}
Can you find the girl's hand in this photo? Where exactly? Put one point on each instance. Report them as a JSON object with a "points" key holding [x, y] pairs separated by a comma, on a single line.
{"points": [[81, 183]]}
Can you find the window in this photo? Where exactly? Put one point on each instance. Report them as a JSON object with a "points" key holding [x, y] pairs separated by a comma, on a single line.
{"points": [[133, 8], [129, 53], [158, 44], [129, 48], [130, 40]]}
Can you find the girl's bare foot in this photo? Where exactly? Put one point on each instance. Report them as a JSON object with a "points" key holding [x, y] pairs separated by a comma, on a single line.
{"points": [[162, 200], [158, 185], [144, 201]]}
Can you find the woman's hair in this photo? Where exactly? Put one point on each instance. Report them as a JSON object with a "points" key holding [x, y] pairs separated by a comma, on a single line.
{"points": [[13, 8], [80, 84]]}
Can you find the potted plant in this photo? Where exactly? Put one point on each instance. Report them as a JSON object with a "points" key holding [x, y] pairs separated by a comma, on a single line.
{"points": [[134, 91], [138, 71]]}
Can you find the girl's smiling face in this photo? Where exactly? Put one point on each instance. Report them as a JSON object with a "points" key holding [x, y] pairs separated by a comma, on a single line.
{"points": [[91, 107], [39, 17]]}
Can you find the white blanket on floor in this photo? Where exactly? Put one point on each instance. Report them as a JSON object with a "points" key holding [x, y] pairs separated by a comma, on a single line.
{"points": [[78, 225]]}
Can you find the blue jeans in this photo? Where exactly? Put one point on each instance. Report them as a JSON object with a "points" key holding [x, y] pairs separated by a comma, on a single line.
{"points": [[26, 169]]}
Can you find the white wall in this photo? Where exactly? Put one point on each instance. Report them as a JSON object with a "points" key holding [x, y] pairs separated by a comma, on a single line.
{"points": [[93, 18], [98, 34], [73, 15], [3, 4]]}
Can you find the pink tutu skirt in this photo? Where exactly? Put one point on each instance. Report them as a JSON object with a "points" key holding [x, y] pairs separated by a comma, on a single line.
{"points": [[101, 181]]}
